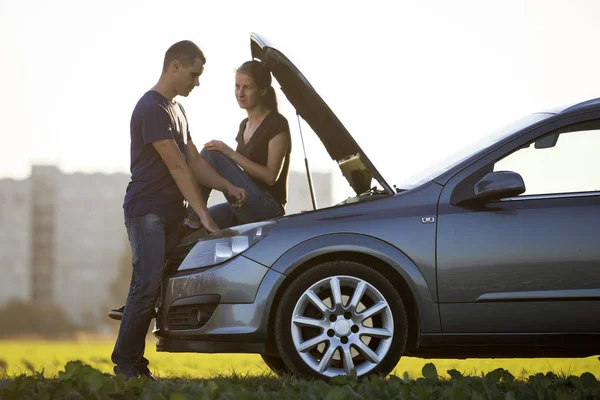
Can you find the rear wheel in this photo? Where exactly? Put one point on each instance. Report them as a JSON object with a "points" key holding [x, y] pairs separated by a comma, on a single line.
{"points": [[276, 364], [338, 317]]}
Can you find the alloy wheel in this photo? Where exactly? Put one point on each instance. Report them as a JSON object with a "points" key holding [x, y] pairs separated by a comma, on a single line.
{"points": [[342, 323]]}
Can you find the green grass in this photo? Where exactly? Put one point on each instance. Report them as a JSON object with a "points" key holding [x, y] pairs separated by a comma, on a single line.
{"points": [[26, 357], [81, 381]]}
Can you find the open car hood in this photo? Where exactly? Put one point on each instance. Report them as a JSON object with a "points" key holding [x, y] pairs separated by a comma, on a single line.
{"points": [[341, 146]]}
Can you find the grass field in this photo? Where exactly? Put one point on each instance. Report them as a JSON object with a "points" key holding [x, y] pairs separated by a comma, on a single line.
{"points": [[20, 357]]}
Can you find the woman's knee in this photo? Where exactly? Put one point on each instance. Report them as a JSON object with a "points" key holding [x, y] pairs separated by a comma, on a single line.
{"points": [[210, 155], [216, 159], [204, 152]]}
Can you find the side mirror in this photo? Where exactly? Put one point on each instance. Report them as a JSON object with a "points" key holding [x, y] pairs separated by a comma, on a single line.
{"points": [[498, 185]]}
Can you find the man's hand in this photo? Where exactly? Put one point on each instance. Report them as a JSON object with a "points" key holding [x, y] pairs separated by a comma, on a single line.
{"points": [[217, 145], [237, 193], [208, 222]]}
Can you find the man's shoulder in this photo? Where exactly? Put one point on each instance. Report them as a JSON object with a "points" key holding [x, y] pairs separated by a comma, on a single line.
{"points": [[151, 101]]}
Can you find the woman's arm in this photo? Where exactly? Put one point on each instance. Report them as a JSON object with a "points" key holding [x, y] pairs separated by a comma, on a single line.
{"points": [[278, 146]]}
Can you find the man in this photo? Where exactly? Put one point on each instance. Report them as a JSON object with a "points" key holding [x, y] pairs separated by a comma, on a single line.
{"points": [[165, 168]]}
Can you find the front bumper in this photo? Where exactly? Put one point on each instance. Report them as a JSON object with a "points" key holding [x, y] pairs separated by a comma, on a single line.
{"points": [[219, 309]]}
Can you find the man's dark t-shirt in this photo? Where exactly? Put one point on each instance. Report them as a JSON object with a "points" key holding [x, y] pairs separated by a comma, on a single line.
{"points": [[152, 189]]}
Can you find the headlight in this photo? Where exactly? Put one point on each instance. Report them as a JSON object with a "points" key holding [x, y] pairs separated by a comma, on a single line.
{"points": [[225, 244]]}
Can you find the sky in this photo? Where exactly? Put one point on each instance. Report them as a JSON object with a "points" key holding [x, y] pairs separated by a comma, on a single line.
{"points": [[411, 81]]}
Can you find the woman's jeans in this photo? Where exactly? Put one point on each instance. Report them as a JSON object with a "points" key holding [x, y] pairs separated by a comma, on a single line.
{"points": [[259, 205]]}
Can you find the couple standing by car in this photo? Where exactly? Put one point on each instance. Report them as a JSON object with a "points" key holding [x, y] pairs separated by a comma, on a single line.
{"points": [[167, 168]]}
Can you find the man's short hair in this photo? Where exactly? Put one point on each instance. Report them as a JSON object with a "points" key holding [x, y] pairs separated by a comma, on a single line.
{"points": [[186, 51]]}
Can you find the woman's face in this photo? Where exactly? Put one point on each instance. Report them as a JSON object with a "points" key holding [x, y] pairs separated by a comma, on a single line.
{"points": [[246, 92]]}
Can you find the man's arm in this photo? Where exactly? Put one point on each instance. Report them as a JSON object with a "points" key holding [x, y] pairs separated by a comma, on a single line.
{"points": [[170, 154], [205, 174]]}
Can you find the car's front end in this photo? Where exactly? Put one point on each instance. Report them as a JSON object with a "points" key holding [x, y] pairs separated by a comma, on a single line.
{"points": [[214, 299], [218, 292]]}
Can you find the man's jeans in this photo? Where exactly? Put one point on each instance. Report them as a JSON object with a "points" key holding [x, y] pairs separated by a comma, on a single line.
{"points": [[259, 205], [150, 238]]}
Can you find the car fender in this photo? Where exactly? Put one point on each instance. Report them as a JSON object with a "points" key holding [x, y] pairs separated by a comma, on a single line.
{"points": [[308, 250]]}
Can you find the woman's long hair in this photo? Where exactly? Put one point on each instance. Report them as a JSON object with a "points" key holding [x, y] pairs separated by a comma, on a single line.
{"points": [[261, 75]]}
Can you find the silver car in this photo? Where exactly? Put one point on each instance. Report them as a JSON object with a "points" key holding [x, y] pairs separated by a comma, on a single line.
{"points": [[494, 254]]}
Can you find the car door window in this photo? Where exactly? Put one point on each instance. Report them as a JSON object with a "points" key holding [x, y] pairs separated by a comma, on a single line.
{"points": [[564, 161]]}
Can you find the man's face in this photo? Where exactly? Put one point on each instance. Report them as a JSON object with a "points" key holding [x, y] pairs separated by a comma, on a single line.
{"points": [[186, 78]]}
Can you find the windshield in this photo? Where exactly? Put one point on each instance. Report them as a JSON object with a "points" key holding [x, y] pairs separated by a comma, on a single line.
{"points": [[446, 163]]}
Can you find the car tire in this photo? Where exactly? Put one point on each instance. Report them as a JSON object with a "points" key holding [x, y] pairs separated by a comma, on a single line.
{"points": [[332, 337], [276, 365]]}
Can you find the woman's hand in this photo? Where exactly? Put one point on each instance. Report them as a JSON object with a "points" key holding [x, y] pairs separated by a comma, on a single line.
{"points": [[217, 145]]}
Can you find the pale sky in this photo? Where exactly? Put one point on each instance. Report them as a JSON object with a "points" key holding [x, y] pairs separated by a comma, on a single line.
{"points": [[412, 81]]}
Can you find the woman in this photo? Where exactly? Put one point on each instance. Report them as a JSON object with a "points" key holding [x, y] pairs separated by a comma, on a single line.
{"points": [[260, 162]]}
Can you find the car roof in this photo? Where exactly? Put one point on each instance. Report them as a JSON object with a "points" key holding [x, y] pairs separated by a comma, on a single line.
{"points": [[574, 107]]}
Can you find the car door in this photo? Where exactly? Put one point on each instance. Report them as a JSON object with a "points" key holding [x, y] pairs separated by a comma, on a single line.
{"points": [[528, 263]]}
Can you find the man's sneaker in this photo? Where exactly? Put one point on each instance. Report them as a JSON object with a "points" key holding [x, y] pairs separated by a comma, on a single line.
{"points": [[117, 313], [133, 373], [148, 375]]}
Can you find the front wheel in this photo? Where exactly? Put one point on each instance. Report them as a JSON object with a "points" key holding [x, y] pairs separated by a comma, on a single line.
{"points": [[338, 317]]}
